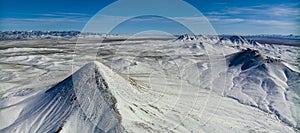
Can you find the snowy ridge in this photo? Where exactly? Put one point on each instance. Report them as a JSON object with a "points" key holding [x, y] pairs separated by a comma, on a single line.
{"points": [[197, 38], [187, 37], [51, 111], [274, 51], [239, 42]]}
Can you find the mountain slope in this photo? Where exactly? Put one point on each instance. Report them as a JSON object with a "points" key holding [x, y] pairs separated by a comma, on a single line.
{"points": [[97, 99], [263, 82], [49, 110]]}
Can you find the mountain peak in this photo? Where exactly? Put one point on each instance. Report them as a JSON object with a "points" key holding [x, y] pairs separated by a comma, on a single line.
{"points": [[238, 39], [86, 96], [187, 37]]}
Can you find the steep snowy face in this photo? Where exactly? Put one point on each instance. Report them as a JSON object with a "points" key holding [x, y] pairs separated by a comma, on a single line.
{"points": [[187, 37], [254, 43], [224, 39], [240, 40], [247, 58], [263, 82], [84, 97]]}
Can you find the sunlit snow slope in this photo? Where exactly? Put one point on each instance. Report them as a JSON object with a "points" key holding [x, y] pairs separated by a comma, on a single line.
{"points": [[50, 111], [264, 82]]}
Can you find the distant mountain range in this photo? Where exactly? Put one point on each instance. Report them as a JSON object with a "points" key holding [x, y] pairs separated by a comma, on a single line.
{"points": [[293, 40], [17, 35]]}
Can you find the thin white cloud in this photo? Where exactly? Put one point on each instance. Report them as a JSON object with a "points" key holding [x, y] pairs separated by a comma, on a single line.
{"points": [[276, 16], [109, 19], [49, 15], [272, 22], [234, 20], [269, 10], [216, 13], [42, 23], [62, 14], [67, 19], [73, 13], [190, 19], [149, 18], [227, 20], [223, 19]]}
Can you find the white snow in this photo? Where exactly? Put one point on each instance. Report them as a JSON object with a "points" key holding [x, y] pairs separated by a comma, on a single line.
{"points": [[190, 84]]}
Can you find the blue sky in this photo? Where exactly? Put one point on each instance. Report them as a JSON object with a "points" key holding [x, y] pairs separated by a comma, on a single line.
{"points": [[226, 16]]}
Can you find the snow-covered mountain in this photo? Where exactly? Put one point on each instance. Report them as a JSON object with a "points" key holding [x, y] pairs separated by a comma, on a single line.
{"points": [[257, 76], [263, 82], [190, 84], [239, 41], [187, 37], [19, 35], [82, 103]]}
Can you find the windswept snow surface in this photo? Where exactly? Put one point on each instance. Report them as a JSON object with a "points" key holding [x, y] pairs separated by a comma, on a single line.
{"points": [[189, 84]]}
